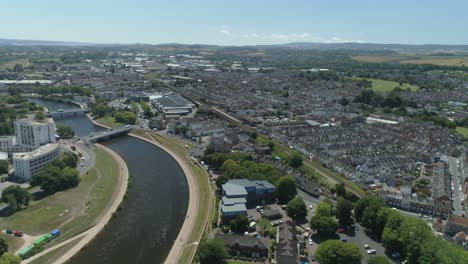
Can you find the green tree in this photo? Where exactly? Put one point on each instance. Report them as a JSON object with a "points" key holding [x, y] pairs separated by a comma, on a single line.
{"points": [[286, 189], [240, 224], [12, 204], [340, 190], [65, 132], [3, 246], [378, 260], [295, 160], [213, 252], [22, 196], [222, 179], [365, 202], [3, 166], [296, 208], [9, 258], [39, 116], [335, 251], [343, 212], [100, 110], [69, 160], [323, 221]]}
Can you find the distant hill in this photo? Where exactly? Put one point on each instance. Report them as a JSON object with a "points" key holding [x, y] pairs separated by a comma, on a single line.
{"points": [[429, 48], [22, 42]]}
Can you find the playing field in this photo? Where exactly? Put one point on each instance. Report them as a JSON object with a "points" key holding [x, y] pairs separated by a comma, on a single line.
{"points": [[388, 86]]}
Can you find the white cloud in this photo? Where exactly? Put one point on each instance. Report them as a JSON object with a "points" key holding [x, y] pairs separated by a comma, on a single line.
{"points": [[282, 37]]}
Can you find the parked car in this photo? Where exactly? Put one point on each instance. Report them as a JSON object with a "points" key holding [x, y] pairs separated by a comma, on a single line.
{"points": [[311, 242], [396, 255], [340, 230], [366, 246], [9, 231], [344, 239], [18, 234]]}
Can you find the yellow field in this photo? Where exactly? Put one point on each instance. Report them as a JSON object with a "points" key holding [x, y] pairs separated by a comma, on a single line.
{"points": [[415, 59], [457, 61]]}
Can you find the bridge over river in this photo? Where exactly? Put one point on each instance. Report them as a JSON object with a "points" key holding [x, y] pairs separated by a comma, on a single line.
{"points": [[68, 113], [108, 134]]}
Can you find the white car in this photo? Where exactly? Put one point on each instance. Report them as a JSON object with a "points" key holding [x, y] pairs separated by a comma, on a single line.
{"points": [[311, 242], [366, 246]]}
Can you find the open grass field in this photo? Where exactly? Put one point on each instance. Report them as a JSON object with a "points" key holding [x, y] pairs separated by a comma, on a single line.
{"points": [[445, 61], [388, 86], [414, 59], [11, 64], [178, 147], [109, 121], [463, 131], [74, 210]]}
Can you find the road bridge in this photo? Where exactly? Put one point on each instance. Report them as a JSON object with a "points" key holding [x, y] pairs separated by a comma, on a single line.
{"points": [[108, 134], [61, 113]]}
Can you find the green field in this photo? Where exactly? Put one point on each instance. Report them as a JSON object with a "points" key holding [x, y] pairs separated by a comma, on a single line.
{"points": [[414, 59], [109, 121], [463, 131], [73, 210], [388, 86], [11, 64]]}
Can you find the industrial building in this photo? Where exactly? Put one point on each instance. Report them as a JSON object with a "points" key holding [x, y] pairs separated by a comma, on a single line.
{"points": [[28, 164], [240, 194], [173, 104]]}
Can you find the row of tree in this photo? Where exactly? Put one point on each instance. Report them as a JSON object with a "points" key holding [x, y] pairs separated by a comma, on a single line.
{"points": [[59, 175], [409, 236]]}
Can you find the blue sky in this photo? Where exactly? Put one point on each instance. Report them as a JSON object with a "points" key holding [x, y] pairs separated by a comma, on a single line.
{"points": [[236, 22]]}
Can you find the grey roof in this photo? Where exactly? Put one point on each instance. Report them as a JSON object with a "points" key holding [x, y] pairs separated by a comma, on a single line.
{"points": [[236, 187], [232, 201], [251, 242], [233, 189], [233, 208], [174, 100]]}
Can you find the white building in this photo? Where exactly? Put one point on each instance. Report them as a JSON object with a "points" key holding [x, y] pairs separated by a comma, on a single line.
{"points": [[31, 134], [28, 164], [7, 143]]}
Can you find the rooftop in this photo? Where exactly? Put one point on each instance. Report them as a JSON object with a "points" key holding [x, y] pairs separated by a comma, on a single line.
{"points": [[233, 208], [41, 150]]}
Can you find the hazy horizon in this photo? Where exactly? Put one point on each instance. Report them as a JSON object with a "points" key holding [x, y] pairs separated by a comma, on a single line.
{"points": [[236, 23]]}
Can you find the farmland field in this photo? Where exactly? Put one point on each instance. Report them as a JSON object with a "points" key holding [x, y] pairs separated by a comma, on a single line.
{"points": [[414, 59], [446, 61]]}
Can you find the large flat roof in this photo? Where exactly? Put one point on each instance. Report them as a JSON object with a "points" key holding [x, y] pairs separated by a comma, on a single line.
{"points": [[233, 208], [41, 150]]}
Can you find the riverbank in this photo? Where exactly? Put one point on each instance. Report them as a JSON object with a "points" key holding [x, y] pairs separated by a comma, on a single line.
{"points": [[197, 217], [103, 219], [197, 220]]}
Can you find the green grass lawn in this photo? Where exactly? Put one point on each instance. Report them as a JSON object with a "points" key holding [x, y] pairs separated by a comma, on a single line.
{"points": [[56, 253], [71, 211], [109, 121], [13, 242], [11, 64], [463, 131], [240, 262], [388, 86]]}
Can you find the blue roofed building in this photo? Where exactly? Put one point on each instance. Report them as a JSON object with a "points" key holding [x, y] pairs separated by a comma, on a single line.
{"points": [[241, 194]]}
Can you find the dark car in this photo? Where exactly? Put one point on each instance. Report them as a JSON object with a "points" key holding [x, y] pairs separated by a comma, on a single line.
{"points": [[9, 231], [18, 233]]}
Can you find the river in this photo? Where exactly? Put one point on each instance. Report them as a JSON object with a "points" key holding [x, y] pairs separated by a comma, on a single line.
{"points": [[154, 211]]}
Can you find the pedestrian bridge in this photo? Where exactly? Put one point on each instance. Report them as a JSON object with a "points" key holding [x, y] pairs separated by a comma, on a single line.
{"points": [[108, 134], [60, 114]]}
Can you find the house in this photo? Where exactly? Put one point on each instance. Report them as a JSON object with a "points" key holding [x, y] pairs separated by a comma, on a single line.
{"points": [[242, 246], [287, 244], [456, 224]]}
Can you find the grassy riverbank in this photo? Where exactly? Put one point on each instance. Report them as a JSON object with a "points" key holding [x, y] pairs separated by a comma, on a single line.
{"points": [[74, 210]]}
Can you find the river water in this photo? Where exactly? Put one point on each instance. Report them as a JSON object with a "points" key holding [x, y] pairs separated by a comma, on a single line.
{"points": [[144, 231]]}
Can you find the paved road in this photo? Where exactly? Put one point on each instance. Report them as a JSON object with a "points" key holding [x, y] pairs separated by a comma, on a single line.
{"points": [[455, 168]]}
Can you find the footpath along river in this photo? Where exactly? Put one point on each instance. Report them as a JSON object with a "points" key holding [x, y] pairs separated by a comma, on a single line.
{"points": [[154, 211]]}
